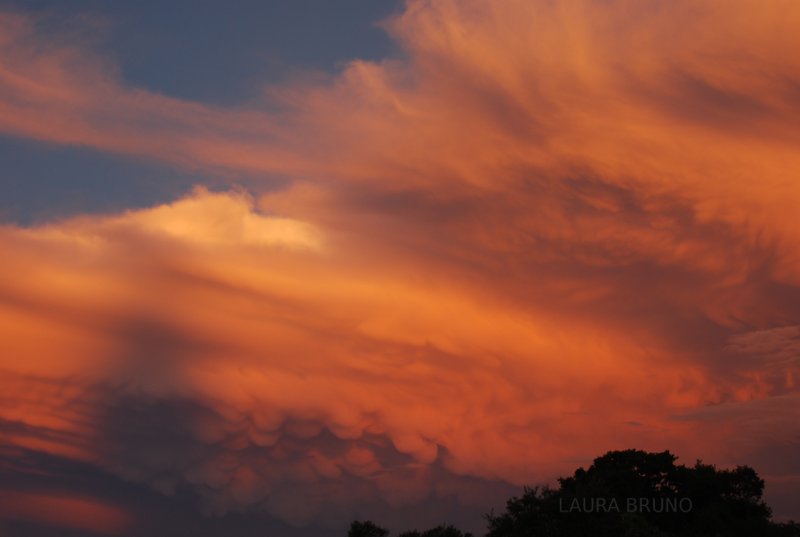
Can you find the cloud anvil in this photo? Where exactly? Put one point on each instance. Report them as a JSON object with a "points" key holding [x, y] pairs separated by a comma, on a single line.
{"points": [[533, 232]]}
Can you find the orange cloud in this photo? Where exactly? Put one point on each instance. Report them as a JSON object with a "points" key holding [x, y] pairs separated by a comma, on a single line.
{"points": [[277, 364], [548, 230], [64, 512]]}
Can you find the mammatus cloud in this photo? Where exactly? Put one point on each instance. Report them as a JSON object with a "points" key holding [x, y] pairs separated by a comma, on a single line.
{"points": [[546, 231], [290, 375]]}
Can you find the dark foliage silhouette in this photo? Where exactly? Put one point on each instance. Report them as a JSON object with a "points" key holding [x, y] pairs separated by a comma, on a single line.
{"points": [[639, 494], [438, 531], [366, 529], [631, 493]]}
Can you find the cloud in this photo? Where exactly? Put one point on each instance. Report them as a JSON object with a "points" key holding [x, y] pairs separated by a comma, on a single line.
{"points": [[262, 372], [258, 372], [541, 225], [79, 91], [67, 512]]}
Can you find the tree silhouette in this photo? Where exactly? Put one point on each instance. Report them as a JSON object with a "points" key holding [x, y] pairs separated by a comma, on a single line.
{"points": [[639, 494], [366, 529], [630, 493], [438, 531]]}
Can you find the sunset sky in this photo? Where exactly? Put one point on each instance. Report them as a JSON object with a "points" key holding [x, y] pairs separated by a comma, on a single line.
{"points": [[267, 267]]}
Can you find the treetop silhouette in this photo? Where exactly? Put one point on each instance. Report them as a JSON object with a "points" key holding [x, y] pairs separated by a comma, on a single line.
{"points": [[631, 493]]}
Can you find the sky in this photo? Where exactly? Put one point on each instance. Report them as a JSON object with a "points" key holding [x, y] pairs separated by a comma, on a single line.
{"points": [[270, 267]]}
